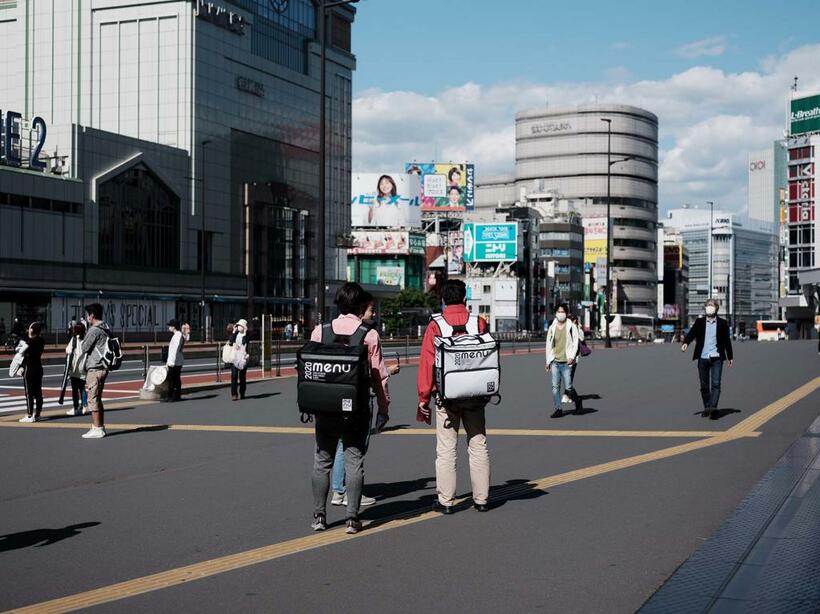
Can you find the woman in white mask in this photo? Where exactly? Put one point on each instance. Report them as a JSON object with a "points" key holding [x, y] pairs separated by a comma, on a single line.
{"points": [[561, 352]]}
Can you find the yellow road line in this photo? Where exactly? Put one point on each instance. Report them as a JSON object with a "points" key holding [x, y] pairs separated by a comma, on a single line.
{"points": [[181, 575], [271, 552], [296, 430], [761, 417]]}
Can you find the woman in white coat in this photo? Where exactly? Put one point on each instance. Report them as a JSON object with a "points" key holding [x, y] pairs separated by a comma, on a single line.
{"points": [[563, 340]]}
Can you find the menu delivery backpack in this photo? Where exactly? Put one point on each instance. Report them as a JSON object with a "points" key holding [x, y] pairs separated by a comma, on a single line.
{"points": [[334, 374], [467, 362]]}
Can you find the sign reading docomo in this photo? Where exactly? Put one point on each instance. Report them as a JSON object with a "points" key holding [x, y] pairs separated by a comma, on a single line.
{"points": [[491, 242], [804, 114]]}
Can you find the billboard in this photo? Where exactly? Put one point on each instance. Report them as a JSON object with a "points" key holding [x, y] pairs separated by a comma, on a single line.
{"points": [[454, 252], [385, 201], [444, 187], [386, 243], [594, 239], [804, 114], [490, 242], [390, 276]]}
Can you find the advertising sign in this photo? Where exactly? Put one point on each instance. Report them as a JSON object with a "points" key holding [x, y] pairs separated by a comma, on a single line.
{"points": [[385, 201], [445, 187], [386, 242], [454, 251], [804, 114], [490, 242], [390, 276], [594, 239], [119, 314]]}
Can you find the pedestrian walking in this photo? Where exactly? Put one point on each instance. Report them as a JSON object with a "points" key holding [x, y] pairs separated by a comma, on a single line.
{"points": [[450, 415], [562, 346], [76, 371], [95, 347], [33, 373], [239, 365], [713, 346], [288, 331], [175, 361], [339, 496], [352, 429], [297, 328], [2, 330]]}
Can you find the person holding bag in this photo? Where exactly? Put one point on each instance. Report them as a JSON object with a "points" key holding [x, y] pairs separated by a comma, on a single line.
{"points": [[563, 341], [33, 373], [75, 359], [237, 351]]}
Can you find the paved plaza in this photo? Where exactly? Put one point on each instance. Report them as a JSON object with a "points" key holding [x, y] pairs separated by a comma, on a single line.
{"points": [[205, 505]]}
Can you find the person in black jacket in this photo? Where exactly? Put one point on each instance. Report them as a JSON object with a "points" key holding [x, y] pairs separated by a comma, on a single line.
{"points": [[33, 374], [713, 346]]}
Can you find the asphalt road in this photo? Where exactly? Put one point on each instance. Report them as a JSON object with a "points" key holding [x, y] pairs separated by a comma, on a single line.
{"points": [[571, 529]]}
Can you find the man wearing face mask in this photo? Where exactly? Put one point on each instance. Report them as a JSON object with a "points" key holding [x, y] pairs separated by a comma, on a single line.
{"points": [[713, 346]]}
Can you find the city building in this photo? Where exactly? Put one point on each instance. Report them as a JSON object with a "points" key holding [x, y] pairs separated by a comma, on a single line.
{"points": [[561, 255], [566, 151], [766, 178], [180, 160], [675, 280], [740, 260]]}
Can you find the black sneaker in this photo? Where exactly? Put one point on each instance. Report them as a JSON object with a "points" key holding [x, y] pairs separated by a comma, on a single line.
{"points": [[354, 525], [579, 405], [481, 507], [557, 414], [319, 522], [442, 509]]}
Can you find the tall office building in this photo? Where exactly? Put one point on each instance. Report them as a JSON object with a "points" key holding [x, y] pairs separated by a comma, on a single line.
{"points": [[181, 135], [766, 177], [564, 151], [740, 261]]}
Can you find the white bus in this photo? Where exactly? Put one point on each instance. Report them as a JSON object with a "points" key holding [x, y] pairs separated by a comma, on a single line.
{"points": [[771, 330], [629, 326]]}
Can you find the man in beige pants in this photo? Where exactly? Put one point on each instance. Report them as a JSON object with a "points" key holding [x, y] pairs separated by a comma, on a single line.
{"points": [[469, 413]]}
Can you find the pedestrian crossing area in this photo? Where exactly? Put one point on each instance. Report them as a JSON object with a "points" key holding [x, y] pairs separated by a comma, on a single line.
{"points": [[10, 403]]}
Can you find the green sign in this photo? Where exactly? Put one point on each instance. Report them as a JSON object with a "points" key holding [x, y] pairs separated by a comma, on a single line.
{"points": [[805, 115], [491, 242]]}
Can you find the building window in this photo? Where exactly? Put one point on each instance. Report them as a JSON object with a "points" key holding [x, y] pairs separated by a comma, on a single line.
{"points": [[282, 37], [139, 221], [340, 33]]}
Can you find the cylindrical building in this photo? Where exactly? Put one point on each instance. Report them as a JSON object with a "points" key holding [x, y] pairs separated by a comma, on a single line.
{"points": [[564, 150]]}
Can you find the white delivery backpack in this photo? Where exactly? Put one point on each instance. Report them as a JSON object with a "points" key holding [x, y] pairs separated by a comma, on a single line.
{"points": [[467, 363]]}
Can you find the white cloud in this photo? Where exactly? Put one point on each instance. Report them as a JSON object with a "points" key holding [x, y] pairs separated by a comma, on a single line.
{"points": [[705, 47], [709, 120]]}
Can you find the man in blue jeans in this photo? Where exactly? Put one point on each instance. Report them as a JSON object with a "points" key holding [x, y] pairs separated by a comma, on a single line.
{"points": [[563, 339], [713, 346]]}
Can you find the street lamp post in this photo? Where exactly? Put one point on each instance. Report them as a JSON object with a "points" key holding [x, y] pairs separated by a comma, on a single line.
{"points": [[323, 8], [609, 163], [202, 247], [711, 223]]}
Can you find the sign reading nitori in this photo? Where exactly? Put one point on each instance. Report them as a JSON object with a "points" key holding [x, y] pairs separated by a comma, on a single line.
{"points": [[491, 242]]}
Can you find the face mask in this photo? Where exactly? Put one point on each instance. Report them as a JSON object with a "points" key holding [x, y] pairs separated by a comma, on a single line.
{"points": [[561, 317], [710, 310]]}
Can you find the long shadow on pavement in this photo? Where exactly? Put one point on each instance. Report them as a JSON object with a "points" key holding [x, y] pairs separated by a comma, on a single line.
{"points": [[41, 537], [141, 429]]}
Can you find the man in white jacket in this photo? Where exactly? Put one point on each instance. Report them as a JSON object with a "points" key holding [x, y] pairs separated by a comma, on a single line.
{"points": [[175, 362], [562, 350]]}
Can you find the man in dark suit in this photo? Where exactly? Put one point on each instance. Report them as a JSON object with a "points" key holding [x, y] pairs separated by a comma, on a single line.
{"points": [[713, 346]]}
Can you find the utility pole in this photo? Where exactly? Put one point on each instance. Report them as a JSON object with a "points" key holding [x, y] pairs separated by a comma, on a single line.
{"points": [[202, 240], [711, 222]]}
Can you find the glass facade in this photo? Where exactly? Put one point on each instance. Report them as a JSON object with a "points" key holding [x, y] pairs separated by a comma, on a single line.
{"points": [[281, 30], [139, 221]]}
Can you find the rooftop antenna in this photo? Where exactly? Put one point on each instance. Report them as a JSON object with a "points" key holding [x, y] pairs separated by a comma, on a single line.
{"points": [[794, 87]]}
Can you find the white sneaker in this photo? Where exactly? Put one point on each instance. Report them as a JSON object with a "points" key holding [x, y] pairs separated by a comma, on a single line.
{"points": [[28, 419], [72, 412], [95, 432], [85, 410], [565, 399], [341, 499]]}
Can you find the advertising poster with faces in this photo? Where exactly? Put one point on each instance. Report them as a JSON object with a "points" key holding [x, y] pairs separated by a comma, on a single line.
{"points": [[385, 200], [444, 186]]}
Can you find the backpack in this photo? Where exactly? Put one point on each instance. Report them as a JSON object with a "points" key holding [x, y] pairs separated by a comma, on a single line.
{"points": [[334, 374], [467, 362], [112, 357]]}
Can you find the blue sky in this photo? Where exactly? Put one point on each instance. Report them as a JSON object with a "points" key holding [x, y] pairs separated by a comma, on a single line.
{"points": [[446, 78], [428, 45]]}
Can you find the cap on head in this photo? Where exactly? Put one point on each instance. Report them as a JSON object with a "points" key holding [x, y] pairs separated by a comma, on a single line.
{"points": [[243, 323], [173, 323]]}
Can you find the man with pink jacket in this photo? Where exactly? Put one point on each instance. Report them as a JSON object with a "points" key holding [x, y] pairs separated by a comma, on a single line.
{"points": [[353, 431]]}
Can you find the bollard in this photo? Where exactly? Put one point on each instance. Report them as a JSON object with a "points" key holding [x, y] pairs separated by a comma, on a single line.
{"points": [[278, 357], [407, 348], [514, 342], [145, 360], [218, 364], [529, 343]]}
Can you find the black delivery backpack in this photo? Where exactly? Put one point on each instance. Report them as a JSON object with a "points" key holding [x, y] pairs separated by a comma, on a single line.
{"points": [[334, 374]]}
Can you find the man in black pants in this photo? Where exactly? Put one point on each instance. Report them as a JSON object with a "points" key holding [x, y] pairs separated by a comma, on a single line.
{"points": [[713, 346]]}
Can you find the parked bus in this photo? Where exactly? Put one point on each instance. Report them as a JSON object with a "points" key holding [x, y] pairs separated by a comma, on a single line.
{"points": [[629, 326], [771, 330]]}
